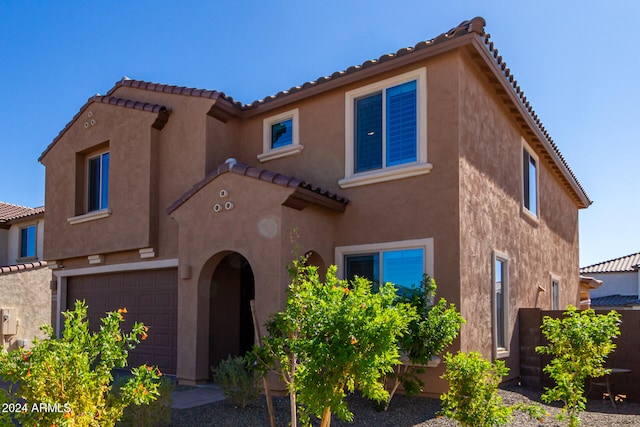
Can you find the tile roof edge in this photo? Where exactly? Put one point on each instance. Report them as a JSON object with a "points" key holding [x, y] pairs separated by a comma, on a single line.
{"points": [[612, 260], [16, 268], [161, 110], [25, 212], [264, 175]]}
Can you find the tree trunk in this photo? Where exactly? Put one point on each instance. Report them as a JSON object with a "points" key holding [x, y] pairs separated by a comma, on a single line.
{"points": [[326, 417]]}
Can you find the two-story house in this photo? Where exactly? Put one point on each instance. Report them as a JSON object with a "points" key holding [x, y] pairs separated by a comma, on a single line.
{"points": [[179, 203], [25, 296]]}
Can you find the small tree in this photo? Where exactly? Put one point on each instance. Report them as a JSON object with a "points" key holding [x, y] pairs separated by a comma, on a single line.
{"points": [[333, 338], [69, 381], [473, 398], [579, 342], [430, 332]]}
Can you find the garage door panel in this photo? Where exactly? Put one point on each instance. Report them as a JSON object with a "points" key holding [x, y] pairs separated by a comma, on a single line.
{"points": [[150, 297]]}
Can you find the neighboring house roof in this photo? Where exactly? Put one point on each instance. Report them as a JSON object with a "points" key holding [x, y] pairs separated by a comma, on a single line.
{"points": [[304, 191], [10, 212], [21, 267], [504, 83], [590, 282], [623, 264], [615, 301]]}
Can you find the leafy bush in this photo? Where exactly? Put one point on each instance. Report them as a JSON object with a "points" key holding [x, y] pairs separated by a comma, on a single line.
{"points": [[473, 398], [430, 332], [580, 342], [155, 414], [333, 338], [68, 381], [238, 380]]}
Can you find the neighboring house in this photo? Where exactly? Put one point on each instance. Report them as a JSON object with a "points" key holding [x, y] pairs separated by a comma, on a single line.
{"points": [[25, 280], [620, 287], [179, 203]]}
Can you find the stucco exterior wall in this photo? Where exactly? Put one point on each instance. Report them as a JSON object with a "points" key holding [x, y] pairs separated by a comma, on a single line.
{"points": [[492, 219], [29, 294]]}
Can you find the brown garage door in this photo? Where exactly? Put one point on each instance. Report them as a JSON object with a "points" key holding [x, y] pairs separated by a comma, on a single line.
{"points": [[150, 297]]}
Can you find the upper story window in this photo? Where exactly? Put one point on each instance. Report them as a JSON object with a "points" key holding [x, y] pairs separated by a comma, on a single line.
{"points": [[529, 180], [385, 130], [98, 182], [501, 304], [28, 236], [401, 263], [280, 136], [555, 294]]}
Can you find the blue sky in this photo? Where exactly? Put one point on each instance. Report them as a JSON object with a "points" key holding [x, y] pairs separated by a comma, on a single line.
{"points": [[577, 62]]}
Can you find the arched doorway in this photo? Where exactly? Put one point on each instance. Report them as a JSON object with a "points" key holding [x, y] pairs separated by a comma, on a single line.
{"points": [[230, 320]]}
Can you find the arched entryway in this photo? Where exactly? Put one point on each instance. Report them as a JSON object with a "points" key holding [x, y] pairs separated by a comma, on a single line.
{"points": [[230, 320]]}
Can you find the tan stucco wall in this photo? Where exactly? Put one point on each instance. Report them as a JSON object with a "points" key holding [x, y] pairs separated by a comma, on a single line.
{"points": [[492, 219], [28, 292]]}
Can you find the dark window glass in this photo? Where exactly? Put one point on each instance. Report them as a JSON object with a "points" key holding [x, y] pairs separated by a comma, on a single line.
{"points": [[368, 129], [367, 266], [282, 133], [28, 241], [98, 183]]}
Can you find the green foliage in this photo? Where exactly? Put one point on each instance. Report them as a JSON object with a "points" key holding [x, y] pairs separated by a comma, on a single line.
{"points": [[473, 398], [238, 380], [70, 380], [155, 414], [333, 338], [579, 342], [430, 332]]}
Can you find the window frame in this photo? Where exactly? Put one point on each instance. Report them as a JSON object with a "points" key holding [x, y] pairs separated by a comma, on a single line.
{"points": [[426, 244], [386, 173], [100, 155], [555, 292], [500, 351], [269, 153], [28, 257], [526, 178]]}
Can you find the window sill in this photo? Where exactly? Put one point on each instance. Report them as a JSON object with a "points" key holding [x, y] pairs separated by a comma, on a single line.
{"points": [[26, 259], [530, 216], [91, 216], [383, 175], [276, 153], [502, 353], [433, 363]]}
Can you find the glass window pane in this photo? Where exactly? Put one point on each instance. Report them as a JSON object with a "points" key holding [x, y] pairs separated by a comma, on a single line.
{"points": [[404, 268], [532, 186], [500, 307], [94, 184], [368, 129], [104, 186], [367, 266], [282, 133], [401, 124], [28, 241]]}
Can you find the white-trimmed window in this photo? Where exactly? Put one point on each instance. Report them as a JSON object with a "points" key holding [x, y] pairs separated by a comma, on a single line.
{"points": [[28, 242], [386, 130], [98, 182], [529, 180], [500, 304], [280, 136], [402, 263]]}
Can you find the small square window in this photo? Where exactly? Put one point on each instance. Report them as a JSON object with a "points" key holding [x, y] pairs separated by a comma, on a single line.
{"points": [[280, 136], [28, 241]]}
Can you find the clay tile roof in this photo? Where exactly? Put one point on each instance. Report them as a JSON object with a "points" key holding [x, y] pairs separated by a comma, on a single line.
{"points": [[176, 90], [162, 112], [9, 212], [623, 264], [259, 174], [615, 301], [21, 267]]}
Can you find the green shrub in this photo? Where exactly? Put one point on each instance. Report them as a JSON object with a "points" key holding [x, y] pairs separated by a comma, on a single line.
{"points": [[580, 342], [238, 380], [334, 337], [430, 332], [71, 377], [473, 398], [155, 414]]}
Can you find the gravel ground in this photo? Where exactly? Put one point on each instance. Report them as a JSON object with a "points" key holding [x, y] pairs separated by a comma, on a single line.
{"points": [[403, 412]]}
